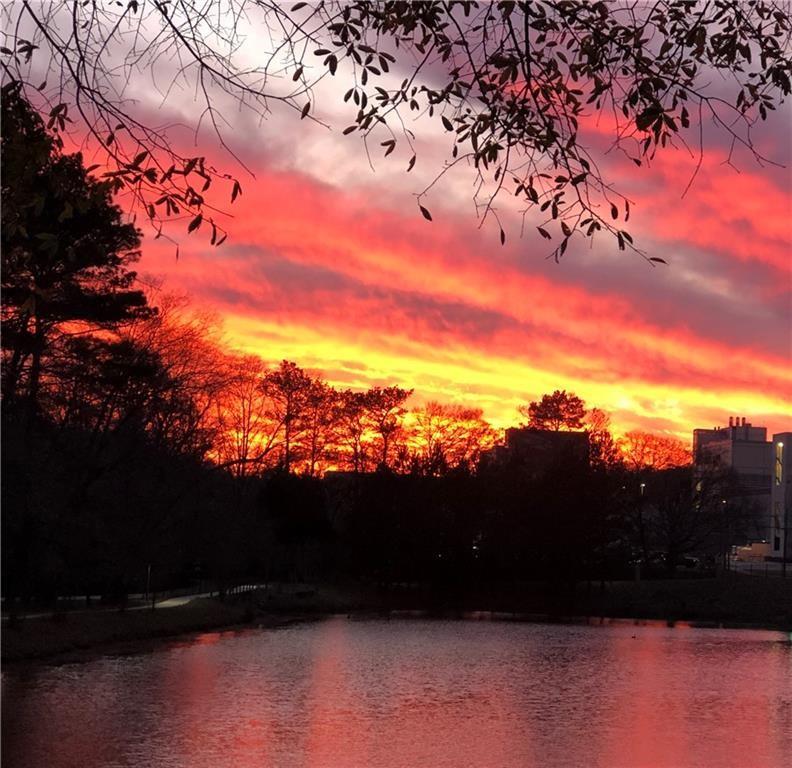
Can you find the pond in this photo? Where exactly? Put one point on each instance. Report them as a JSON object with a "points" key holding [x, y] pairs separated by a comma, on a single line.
{"points": [[343, 693]]}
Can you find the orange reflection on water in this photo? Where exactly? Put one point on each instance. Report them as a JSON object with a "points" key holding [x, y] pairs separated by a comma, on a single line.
{"points": [[392, 694], [672, 712], [369, 706], [636, 708], [333, 716]]}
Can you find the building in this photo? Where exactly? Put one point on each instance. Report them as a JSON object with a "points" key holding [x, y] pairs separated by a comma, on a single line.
{"points": [[744, 449], [781, 497], [741, 447], [763, 473], [535, 450]]}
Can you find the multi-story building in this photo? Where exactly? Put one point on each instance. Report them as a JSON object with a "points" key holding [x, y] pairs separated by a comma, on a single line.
{"points": [[763, 474], [744, 449]]}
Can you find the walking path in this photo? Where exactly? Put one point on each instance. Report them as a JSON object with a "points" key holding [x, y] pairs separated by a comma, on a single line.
{"points": [[143, 604]]}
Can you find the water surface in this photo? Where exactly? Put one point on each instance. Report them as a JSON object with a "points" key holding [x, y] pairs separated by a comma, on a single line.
{"points": [[342, 693]]}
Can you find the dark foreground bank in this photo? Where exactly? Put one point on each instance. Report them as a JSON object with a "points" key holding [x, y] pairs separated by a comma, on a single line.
{"points": [[729, 602], [73, 636]]}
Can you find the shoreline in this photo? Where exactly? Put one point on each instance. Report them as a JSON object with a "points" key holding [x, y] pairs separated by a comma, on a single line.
{"points": [[141, 645], [133, 646], [81, 636], [752, 605], [583, 620]]}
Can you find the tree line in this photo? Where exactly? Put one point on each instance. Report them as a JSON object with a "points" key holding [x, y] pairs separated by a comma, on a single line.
{"points": [[134, 442]]}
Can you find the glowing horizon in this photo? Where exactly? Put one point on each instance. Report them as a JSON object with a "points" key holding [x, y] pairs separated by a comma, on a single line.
{"points": [[368, 295]]}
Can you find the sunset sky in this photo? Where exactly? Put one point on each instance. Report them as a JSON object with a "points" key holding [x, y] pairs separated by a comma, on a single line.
{"points": [[330, 264]]}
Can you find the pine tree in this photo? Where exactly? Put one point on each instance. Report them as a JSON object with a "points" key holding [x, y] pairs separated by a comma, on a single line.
{"points": [[66, 251]]}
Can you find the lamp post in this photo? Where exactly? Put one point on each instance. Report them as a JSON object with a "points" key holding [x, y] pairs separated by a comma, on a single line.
{"points": [[781, 477], [641, 531]]}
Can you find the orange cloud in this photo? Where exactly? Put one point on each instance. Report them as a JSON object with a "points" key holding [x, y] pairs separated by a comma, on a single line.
{"points": [[739, 214], [325, 277]]}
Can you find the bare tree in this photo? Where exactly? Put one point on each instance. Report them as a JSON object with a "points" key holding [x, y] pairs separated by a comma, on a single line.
{"points": [[318, 420], [687, 511], [645, 450], [246, 435], [187, 343], [352, 425], [447, 436], [514, 84], [603, 449], [386, 410], [288, 388]]}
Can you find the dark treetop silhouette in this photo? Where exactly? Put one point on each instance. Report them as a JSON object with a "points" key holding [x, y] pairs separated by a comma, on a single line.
{"points": [[66, 251], [561, 410]]}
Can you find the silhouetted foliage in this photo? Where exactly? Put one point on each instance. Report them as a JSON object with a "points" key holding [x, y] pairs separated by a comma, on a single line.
{"points": [[603, 448], [448, 437], [514, 84], [645, 450], [555, 412], [688, 510], [65, 251]]}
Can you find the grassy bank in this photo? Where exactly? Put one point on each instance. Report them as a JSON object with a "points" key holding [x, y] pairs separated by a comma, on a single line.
{"points": [[734, 600], [731, 601], [69, 635]]}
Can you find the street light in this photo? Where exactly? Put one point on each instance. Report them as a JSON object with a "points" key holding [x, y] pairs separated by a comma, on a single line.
{"points": [[641, 529]]}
